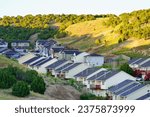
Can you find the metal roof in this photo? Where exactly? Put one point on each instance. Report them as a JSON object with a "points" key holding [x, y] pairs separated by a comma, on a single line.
{"points": [[132, 90], [140, 61], [126, 88], [56, 64], [87, 72], [120, 85], [44, 61], [71, 67], [147, 64], [108, 75], [64, 67], [97, 75], [37, 62], [144, 97], [31, 60]]}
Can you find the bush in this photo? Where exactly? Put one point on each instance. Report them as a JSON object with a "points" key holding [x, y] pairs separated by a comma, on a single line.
{"points": [[38, 85], [30, 76], [87, 96], [6, 79], [21, 89], [126, 68]]}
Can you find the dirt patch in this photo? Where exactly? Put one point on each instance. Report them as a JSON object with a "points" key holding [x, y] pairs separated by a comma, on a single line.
{"points": [[62, 92]]}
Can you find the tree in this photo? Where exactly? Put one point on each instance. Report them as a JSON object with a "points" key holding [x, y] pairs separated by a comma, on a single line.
{"points": [[30, 76], [126, 68], [21, 89], [6, 79], [38, 85]]}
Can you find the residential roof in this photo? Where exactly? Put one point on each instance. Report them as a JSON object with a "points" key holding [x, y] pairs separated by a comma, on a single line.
{"points": [[3, 50], [126, 88], [44, 61], [31, 60], [133, 60], [147, 64], [2, 42], [71, 67], [56, 64], [140, 61], [64, 67], [34, 64], [87, 72], [94, 55], [72, 52], [108, 75], [144, 97], [21, 41], [120, 85], [133, 90], [97, 75], [58, 49]]}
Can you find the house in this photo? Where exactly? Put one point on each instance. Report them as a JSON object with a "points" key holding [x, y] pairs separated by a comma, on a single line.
{"points": [[68, 54], [99, 83], [141, 67], [57, 72], [41, 66], [56, 50], [12, 54], [32, 60], [94, 59], [73, 69], [80, 57], [3, 50], [26, 57], [51, 68], [3, 44], [21, 46], [144, 97], [136, 62], [44, 46], [85, 74], [129, 90]]}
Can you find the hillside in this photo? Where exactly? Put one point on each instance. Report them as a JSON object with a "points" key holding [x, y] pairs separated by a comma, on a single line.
{"points": [[53, 91], [105, 36]]}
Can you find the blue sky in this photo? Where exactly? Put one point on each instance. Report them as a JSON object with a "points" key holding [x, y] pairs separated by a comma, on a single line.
{"points": [[23, 7]]}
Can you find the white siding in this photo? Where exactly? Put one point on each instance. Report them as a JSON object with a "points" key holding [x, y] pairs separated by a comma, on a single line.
{"points": [[76, 70], [95, 60], [80, 57], [26, 57]]}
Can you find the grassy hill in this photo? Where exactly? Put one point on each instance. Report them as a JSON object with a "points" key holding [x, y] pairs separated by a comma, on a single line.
{"points": [[96, 36]]}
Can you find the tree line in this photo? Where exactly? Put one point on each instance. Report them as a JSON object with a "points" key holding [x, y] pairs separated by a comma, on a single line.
{"points": [[19, 27], [134, 24], [21, 81]]}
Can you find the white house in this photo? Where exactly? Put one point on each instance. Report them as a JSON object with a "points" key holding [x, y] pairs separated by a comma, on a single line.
{"points": [[41, 66], [3, 44], [68, 54], [99, 83], [73, 69], [135, 63], [26, 57], [94, 59], [80, 57], [44, 47], [129, 90], [87, 73]]}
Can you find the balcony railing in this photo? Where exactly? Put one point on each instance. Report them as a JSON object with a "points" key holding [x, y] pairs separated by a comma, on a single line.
{"points": [[94, 87]]}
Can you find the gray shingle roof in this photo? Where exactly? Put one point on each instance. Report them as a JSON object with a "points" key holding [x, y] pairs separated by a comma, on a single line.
{"points": [[71, 67], [87, 72], [56, 64]]}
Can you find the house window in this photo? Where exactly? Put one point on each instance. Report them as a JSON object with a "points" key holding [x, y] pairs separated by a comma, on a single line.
{"points": [[102, 82]]}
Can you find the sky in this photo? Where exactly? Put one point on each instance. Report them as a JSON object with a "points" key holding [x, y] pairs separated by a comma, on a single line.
{"points": [[24, 7]]}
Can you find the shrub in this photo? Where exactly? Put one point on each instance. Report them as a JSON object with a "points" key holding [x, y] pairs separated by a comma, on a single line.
{"points": [[20, 89], [126, 68], [38, 85], [6, 79], [87, 96], [30, 76]]}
